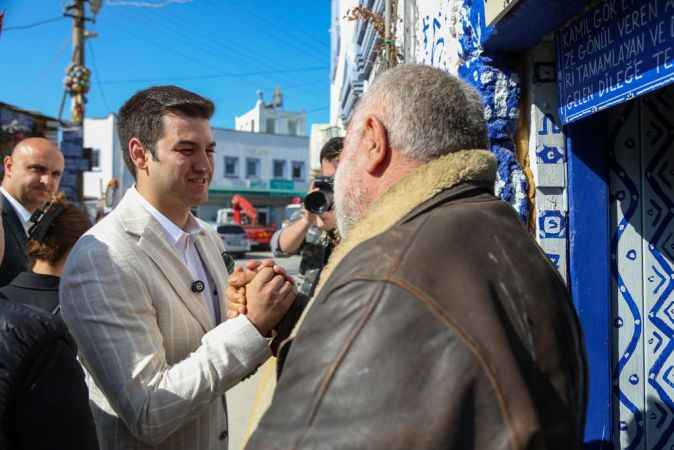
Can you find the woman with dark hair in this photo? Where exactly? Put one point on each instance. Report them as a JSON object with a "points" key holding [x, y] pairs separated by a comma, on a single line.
{"points": [[44, 402], [53, 234]]}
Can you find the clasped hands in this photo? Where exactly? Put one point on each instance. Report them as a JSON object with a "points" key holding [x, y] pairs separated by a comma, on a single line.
{"points": [[263, 291]]}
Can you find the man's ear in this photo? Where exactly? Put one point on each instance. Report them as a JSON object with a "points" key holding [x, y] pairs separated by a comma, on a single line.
{"points": [[137, 154], [8, 163], [378, 148]]}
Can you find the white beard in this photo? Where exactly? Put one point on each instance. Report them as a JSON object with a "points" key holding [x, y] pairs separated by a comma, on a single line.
{"points": [[350, 198]]}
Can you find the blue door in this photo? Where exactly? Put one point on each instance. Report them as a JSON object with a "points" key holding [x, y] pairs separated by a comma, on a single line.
{"points": [[641, 181]]}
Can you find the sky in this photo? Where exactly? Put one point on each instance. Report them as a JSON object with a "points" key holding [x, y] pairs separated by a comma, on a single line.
{"points": [[223, 49]]}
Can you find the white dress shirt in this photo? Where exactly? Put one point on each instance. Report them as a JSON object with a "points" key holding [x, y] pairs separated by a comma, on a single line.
{"points": [[22, 212], [184, 244]]}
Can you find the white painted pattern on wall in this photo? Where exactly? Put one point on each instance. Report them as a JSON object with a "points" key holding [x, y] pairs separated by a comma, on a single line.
{"points": [[642, 268]]}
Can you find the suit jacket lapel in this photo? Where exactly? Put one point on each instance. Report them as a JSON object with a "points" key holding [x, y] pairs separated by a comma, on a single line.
{"points": [[153, 242], [13, 222], [215, 267]]}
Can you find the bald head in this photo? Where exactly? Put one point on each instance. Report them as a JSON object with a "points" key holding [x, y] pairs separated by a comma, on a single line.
{"points": [[33, 172]]}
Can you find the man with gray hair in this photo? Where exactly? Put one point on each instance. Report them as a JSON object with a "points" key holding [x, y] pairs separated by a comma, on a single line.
{"points": [[438, 322]]}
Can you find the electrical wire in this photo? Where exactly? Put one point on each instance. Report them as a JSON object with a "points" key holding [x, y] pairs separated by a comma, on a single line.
{"points": [[315, 110], [208, 44], [300, 45], [143, 4], [290, 31], [96, 77], [47, 70], [213, 76], [33, 25], [130, 30]]}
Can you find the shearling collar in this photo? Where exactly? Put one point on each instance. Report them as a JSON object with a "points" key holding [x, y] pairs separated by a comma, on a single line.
{"points": [[420, 185]]}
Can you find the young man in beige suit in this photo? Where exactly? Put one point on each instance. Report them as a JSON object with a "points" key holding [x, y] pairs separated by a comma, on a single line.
{"points": [[143, 292]]}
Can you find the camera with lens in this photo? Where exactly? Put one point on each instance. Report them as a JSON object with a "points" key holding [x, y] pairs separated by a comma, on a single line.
{"points": [[320, 201]]}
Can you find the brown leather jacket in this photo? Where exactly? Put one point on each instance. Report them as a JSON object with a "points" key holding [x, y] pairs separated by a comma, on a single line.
{"points": [[447, 330]]}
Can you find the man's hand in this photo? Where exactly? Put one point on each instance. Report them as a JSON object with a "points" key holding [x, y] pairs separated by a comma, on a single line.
{"points": [[268, 297], [236, 289], [327, 221], [309, 219]]}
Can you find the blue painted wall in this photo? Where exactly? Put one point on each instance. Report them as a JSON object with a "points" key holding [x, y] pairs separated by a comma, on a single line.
{"points": [[500, 89], [589, 266]]}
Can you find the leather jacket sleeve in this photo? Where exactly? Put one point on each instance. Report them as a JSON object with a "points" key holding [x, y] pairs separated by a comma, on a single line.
{"points": [[376, 367], [52, 407]]}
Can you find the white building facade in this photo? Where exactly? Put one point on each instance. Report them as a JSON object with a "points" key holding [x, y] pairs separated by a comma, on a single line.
{"points": [[321, 133], [271, 118], [100, 134], [268, 169]]}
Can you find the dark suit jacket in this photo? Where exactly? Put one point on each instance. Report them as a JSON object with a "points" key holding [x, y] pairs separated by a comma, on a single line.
{"points": [[15, 260], [36, 290]]}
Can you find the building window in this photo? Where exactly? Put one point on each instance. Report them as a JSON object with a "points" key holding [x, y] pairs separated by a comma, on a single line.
{"points": [[95, 159], [252, 125], [252, 167], [231, 167], [271, 126], [279, 168], [292, 127], [298, 170]]}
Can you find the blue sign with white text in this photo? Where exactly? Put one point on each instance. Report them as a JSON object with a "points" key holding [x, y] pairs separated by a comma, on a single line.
{"points": [[617, 51], [71, 143]]}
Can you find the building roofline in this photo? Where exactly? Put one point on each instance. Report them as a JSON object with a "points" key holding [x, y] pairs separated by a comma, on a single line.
{"points": [[32, 113], [266, 134]]}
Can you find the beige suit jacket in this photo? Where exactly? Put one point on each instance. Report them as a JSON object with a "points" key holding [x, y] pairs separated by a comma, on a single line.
{"points": [[157, 365]]}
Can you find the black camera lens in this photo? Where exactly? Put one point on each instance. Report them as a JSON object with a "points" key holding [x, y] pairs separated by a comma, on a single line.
{"points": [[318, 202]]}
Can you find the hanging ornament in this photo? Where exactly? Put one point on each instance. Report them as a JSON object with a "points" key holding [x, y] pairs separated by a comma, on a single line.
{"points": [[77, 80]]}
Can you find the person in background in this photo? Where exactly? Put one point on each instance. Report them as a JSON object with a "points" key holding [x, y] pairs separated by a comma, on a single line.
{"points": [[32, 173], [313, 236], [44, 402], [55, 231]]}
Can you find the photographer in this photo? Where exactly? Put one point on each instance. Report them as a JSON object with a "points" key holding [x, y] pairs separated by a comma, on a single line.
{"points": [[313, 234]]}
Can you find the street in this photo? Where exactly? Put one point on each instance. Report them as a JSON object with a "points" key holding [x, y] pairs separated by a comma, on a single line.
{"points": [[241, 397]]}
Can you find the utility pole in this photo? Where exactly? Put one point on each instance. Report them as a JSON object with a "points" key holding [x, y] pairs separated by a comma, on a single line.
{"points": [[77, 112], [76, 84], [77, 75], [77, 80]]}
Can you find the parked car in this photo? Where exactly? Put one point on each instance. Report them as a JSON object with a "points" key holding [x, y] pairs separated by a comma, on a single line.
{"points": [[234, 238]]}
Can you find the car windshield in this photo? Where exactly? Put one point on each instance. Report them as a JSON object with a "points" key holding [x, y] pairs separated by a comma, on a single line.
{"points": [[230, 229]]}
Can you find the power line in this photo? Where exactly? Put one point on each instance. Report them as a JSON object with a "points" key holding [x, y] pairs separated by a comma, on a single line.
{"points": [[143, 4], [214, 76], [46, 71], [98, 80], [314, 110], [312, 40], [129, 30], [33, 25], [210, 44]]}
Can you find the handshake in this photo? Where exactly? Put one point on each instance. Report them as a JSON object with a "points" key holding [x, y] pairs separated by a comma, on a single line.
{"points": [[263, 291]]}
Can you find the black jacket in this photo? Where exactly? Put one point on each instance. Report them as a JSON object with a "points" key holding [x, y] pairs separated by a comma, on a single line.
{"points": [[44, 402], [439, 324], [39, 291], [15, 260]]}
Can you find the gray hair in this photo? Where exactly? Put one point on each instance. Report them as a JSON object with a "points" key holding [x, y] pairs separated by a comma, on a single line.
{"points": [[427, 112]]}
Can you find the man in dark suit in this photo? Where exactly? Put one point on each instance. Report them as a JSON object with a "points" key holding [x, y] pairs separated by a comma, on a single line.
{"points": [[32, 174]]}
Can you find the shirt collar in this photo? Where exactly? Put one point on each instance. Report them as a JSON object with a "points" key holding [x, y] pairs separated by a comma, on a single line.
{"points": [[173, 232], [22, 212]]}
